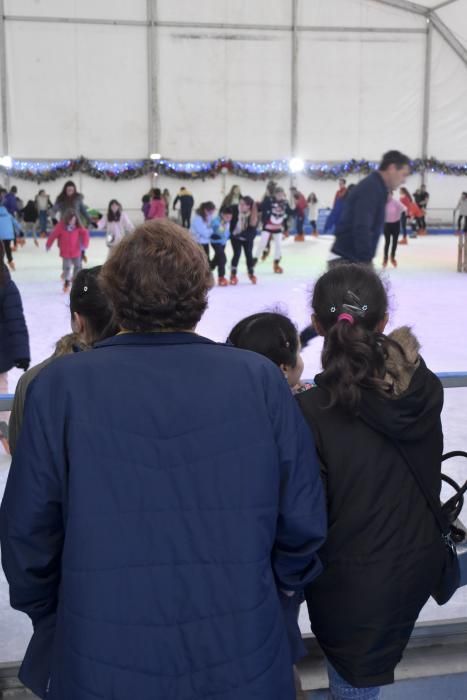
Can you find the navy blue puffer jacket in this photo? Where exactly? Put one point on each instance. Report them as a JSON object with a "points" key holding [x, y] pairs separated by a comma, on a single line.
{"points": [[163, 488], [14, 338]]}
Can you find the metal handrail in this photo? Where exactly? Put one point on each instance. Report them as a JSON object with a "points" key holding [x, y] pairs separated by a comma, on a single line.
{"points": [[449, 380]]}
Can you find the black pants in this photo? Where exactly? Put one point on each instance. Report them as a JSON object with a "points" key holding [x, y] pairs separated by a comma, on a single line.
{"points": [[459, 223], [391, 232], [417, 224], [186, 219], [205, 247], [306, 335], [247, 247], [404, 224], [219, 260], [7, 246], [299, 221], [313, 226]]}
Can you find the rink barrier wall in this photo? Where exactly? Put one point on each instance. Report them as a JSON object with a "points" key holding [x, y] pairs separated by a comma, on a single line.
{"points": [[449, 380]]}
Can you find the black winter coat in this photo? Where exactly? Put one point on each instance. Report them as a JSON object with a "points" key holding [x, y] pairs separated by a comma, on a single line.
{"points": [[384, 553], [14, 338]]}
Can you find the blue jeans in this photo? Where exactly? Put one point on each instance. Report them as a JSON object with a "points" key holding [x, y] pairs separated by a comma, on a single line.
{"points": [[43, 221], [339, 689]]}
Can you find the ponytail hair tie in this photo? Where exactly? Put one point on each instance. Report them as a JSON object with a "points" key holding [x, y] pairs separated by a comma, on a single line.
{"points": [[346, 317]]}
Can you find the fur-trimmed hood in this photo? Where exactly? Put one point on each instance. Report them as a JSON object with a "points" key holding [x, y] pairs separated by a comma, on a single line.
{"points": [[413, 406], [402, 366]]}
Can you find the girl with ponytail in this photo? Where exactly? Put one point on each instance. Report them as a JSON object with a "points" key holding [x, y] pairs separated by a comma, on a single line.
{"points": [[374, 399]]}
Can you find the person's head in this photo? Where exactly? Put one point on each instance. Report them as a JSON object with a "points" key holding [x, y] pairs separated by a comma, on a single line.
{"points": [[156, 193], [350, 309], [14, 190], [394, 169], [235, 191], [313, 198], [342, 182], [279, 194], [91, 312], [206, 210], [114, 210], [182, 189], [405, 193], [246, 204], [226, 214], [166, 193], [294, 190], [41, 193], [157, 279], [69, 190], [271, 188], [70, 218], [464, 195], [423, 188], [273, 335]]}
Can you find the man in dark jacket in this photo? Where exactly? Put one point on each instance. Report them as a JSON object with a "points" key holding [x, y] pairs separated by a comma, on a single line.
{"points": [[150, 552], [186, 206], [362, 219]]}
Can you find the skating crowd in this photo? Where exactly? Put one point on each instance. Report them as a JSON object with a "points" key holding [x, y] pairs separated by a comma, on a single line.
{"points": [[173, 501]]}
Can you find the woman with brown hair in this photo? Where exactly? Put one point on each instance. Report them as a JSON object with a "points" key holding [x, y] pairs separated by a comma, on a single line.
{"points": [[149, 551]]}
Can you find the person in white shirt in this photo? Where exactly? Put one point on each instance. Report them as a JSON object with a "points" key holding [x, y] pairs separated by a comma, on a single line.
{"points": [[116, 224]]}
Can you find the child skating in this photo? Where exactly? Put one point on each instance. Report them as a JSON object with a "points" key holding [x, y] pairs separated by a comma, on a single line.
{"points": [[73, 241]]}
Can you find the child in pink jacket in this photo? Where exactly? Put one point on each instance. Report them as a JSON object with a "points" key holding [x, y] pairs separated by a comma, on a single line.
{"points": [[72, 240], [157, 209]]}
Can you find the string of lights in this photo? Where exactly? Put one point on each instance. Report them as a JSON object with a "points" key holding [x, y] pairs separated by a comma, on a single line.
{"points": [[49, 170]]}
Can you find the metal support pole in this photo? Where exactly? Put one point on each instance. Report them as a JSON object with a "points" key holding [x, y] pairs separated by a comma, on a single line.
{"points": [[153, 104], [405, 5], [294, 83], [449, 37], [294, 86], [427, 95], [4, 88]]}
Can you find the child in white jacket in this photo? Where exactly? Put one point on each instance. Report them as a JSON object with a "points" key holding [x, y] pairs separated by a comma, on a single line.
{"points": [[116, 224]]}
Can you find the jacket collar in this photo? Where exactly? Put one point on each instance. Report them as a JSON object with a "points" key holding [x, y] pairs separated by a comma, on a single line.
{"points": [[145, 339]]}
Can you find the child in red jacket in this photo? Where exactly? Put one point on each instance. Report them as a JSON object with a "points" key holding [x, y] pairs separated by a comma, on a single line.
{"points": [[72, 240]]}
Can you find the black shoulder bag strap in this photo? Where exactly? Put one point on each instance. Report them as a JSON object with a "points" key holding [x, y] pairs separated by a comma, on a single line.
{"points": [[450, 577]]}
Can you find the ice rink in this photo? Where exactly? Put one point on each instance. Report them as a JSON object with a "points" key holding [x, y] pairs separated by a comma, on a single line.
{"points": [[425, 292]]}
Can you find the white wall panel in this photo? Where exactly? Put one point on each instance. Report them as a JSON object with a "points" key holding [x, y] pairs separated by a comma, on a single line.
{"points": [[77, 89], [262, 12], [359, 95], [448, 109], [95, 9], [224, 93], [355, 13]]}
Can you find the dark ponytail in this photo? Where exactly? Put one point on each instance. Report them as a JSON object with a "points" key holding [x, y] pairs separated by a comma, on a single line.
{"points": [[88, 299], [350, 302]]}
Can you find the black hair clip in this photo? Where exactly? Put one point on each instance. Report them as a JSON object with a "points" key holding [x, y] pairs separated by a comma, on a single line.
{"points": [[355, 307]]}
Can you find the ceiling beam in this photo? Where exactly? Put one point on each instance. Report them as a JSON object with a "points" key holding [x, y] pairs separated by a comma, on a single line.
{"points": [[442, 4], [449, 37], [407, 6]]}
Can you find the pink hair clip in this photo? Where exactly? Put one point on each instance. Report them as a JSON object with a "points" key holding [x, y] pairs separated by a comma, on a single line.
{"points": [[346, 317]]}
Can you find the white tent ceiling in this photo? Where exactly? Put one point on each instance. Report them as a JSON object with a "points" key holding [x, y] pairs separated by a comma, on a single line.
{"points": [[453, 13]]}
